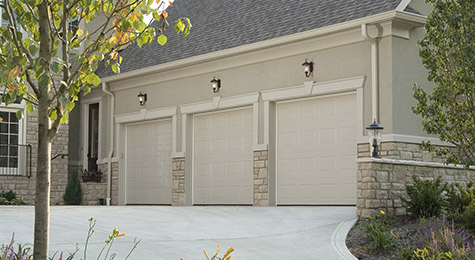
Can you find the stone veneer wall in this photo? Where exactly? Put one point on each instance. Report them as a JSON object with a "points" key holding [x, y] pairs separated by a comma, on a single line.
{"points": [[178, 182], [115, 182], [382, 182], [24, 186], [92, 192], [261, 178]]}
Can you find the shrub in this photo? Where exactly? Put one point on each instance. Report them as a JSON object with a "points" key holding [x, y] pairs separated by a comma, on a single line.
{"points": [[377, 230], [73, 193], [458, 199], [439, 237], [469, 216], [425, 198], [10, 198]]}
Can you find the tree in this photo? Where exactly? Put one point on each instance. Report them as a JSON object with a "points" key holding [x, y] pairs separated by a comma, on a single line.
{"points": [[47, 62], [448, 52]]}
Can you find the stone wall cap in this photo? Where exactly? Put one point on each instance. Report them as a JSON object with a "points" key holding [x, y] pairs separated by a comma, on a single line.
{"points": [[412, 163]]}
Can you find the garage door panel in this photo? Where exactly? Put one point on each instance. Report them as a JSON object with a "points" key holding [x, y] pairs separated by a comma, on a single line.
{"points": [[316, 153], [148, 160], [223, 173]]}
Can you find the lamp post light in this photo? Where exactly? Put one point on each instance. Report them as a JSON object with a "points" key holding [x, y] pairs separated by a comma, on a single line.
{"points": [[142, 98], [307, 68], [374, 133]]}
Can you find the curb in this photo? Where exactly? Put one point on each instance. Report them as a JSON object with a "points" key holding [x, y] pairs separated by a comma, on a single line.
{"points": [[339, 239]]}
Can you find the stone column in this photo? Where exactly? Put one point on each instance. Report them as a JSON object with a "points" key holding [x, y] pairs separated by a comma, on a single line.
{"points": [[178, 178], [261, 178]]}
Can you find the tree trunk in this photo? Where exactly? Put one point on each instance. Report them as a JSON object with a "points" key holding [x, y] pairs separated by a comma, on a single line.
{"points": [[43, 167]]}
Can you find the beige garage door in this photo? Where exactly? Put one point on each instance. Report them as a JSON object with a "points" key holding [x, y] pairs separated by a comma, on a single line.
{"points": [[148, 159], [316, 151], [223, 158]]}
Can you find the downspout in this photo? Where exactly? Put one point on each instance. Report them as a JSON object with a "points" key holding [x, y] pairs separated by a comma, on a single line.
{"points": [[374, 73], [111, 143]]}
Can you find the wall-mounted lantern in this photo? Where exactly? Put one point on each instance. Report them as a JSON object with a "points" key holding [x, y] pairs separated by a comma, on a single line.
{"points": [[374, 133], [215, 84], [307, 68], [142, 98]]}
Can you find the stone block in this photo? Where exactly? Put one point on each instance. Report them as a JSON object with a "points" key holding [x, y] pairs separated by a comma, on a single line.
{"points": [[406, 155], [259, 164], [382, 176], [368, 194], [372, 204], [380, 194], [385, 186], [262, 173]]}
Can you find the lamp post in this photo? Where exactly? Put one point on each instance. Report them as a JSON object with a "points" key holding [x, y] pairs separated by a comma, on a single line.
{"points": [[374, 133]]}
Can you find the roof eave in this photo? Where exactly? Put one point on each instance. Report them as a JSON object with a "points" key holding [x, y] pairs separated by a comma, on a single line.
{"points": [[409, 18]]}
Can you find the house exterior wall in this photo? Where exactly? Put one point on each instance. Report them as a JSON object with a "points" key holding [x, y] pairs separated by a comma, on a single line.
{"points": [[24, 186], [336, 56]]}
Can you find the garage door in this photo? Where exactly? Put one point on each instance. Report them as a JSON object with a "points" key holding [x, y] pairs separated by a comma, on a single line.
{"points": [[223, 158], [148, 159], [316, 151]]}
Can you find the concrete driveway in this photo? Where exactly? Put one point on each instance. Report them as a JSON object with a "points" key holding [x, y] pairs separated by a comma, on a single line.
{"points": [[173, 232]]}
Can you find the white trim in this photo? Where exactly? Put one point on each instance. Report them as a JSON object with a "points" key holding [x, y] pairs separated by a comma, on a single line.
{"points": [[414, 19], [146, 114], [412, 163], [260, 147], [406, 139], [320, 88], [255, 124], [402, 5], [218, 103]]}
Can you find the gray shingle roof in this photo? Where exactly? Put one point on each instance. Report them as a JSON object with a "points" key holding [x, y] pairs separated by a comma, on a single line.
{"points": [[224, 24]]}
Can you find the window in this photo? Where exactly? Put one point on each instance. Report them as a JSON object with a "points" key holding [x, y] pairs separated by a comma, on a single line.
{"points": [[93, 142], [9, 137]]}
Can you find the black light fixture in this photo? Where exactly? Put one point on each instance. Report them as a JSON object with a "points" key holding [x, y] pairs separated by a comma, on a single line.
{"points": [[374, 133], [142, 98], [215, 84], [307, 68]]}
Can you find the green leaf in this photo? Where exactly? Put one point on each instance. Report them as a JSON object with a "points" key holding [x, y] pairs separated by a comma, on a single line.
{"points": [[69, 106], [155, 15], [64, 119], [96, 80], [29, 108], [187, 31], [55, 66], [63, 100], [52, 114], [44, 80], [162, 39], [116, 68], [19, 114], [179, 26]]}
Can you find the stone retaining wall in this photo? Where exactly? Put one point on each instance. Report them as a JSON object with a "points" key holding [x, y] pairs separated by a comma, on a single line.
{"points": [[92, 192], [382, 182], [115, 181], [400, 151]]}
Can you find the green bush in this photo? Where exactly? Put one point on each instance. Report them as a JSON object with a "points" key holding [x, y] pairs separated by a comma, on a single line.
{"points": [[469, 217], [73, 193], [10, 198], [458, 199], [425, 198]]}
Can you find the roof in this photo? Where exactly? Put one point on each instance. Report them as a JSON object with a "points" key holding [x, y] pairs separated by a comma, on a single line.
{"points": [[224, 24]]}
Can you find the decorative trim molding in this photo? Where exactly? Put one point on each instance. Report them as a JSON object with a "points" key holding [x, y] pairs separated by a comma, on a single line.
{"points": [[260, 147], [146, 114], [406, 139], [218, 103], [412, 163], [314, 89]]}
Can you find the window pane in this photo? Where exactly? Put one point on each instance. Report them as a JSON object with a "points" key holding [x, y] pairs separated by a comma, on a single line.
{"points": [[13, 128], [13, 162], [13, 117], [13, 139], [3, 139], [4, 128], [13, 150], [3, 162], [3, 150], [4, 116]]}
